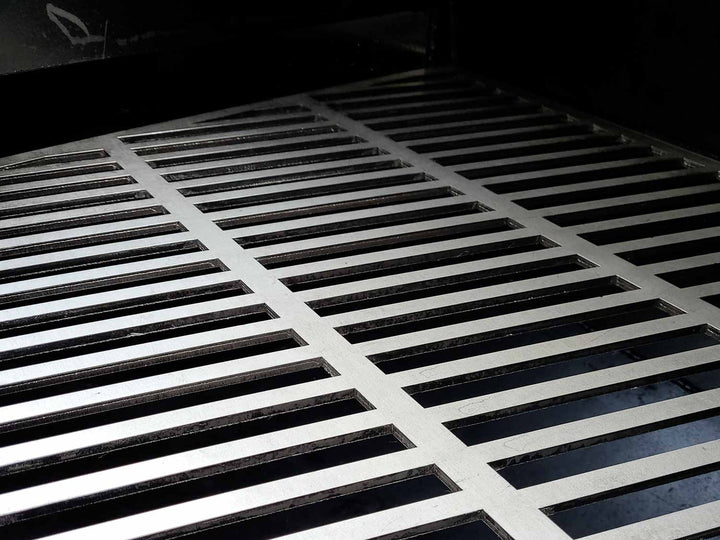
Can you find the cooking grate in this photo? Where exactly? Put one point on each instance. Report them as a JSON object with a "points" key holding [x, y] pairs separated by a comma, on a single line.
{"points": [[417, 306]]}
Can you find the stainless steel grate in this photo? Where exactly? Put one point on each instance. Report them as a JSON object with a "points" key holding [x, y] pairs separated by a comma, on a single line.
{"points": [[418, 306]]}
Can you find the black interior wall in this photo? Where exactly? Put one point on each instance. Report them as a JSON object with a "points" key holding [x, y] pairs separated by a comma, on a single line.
{"points": [[651, 65], [236, 55]]}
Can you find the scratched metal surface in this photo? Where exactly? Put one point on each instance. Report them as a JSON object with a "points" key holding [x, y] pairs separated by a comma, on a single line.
{"points": [[417, 306]]}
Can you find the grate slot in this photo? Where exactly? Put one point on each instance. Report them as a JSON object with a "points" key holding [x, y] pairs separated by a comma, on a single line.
{"points": [[671, 252], [100, 261], [65, 188], [469, 93], [302, 176], [419, 262], [150, 366], [82, 221], [235, 139], [630, 447], [519, 336], [470, 114], [481, 309], [136, 335], [517, 135], [330, 507], [156, 403], [396, 241], [652, 186], [134, 306], [212, 481], [434, 287], [656, 228], [426, 89], [467, 527], [691, 277], [480, 126], [409, 108], [61, 206], [252, 152], [635, 209], [64, 172], [556, 161], [53, 159], [269, 111], [91, 240], [671, 495], [583, 405], [184, 438], [365, 224], [222, 128], [328, 209], [559, 144], [550, 368], [274, 164], [123, 281]]}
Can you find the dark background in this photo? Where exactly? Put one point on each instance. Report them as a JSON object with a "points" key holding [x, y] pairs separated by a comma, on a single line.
{"points": [[648, 64]]}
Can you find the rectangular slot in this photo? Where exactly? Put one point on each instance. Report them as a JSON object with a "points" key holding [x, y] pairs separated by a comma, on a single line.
{"points": [[251, 152], [323, 508], [635, 209], [118, 372], [65, 172], [65, 188], [451, 284], [483, 126], [235, 139], [664, 496], [205, 482], [503, 137], [122, 281], [482, 309], [201, 131], [653, 229], [384, 91], [337, 207], [593, 455], [359, 168], [691, 277], [555, 162], [464, 116], [183, 438], [474, 526], [69, 157], [356, 225], [136, 335], [671, 252], [273, 164], [307, 193], [121, 308], [476, 102], [83, 221], [144, 405], [70, 204], [520, 336], [559, 366], [435, 259], [714, 300], [397, 241], [269, 111], [405, 100], [611, 192], [100, 261], [577, 143], [586, 404], [101, 239]]}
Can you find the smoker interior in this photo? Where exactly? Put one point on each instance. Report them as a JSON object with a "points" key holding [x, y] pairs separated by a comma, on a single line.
{"points": [[427, 304]]}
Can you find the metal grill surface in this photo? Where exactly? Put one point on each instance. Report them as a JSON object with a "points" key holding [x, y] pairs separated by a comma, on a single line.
{"points": [[414, 307]]}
